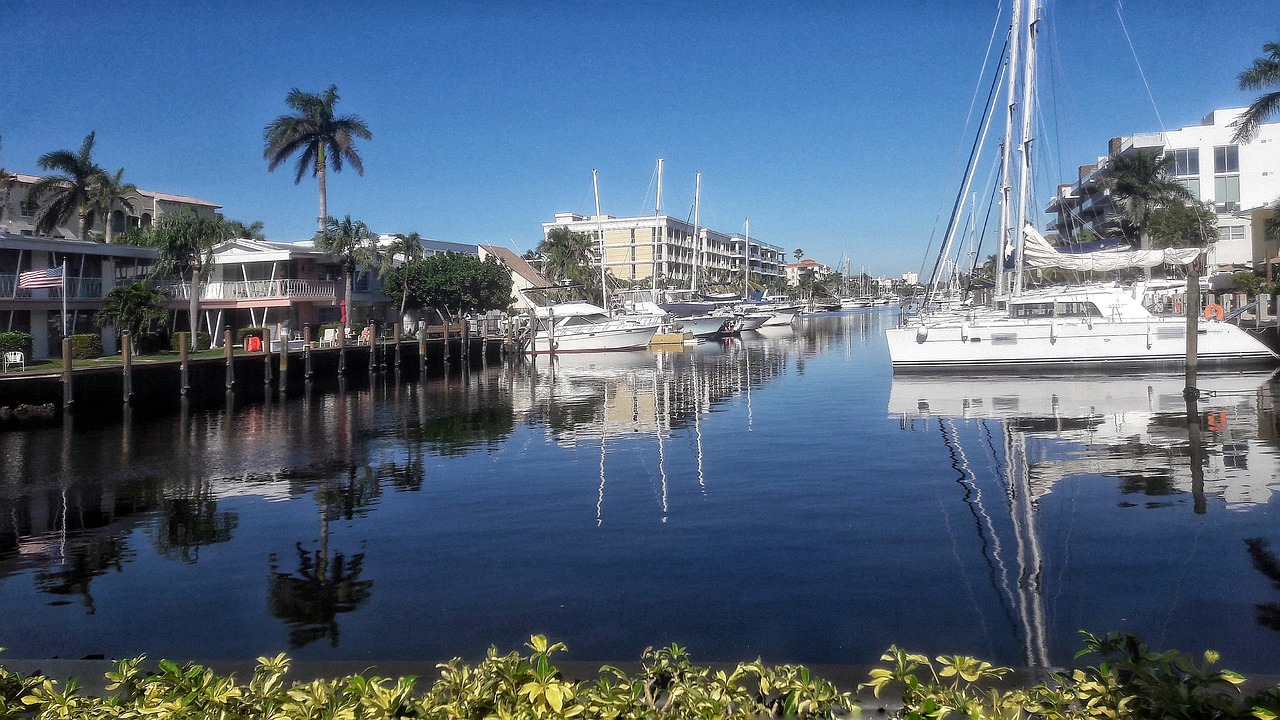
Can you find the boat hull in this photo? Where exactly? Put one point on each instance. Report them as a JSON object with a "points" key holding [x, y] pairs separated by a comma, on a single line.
{"points": [[598, 340], [1073, 343]]}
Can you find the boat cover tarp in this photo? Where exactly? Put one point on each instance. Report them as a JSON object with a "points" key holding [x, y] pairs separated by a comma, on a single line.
{"points": [[1039, 253]]}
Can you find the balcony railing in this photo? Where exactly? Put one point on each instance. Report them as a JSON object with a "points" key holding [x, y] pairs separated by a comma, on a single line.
{"points": [[258, 290], [77, 289]]}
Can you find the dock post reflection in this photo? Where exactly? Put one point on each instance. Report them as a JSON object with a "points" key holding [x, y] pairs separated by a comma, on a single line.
{"points": [[1195, 440]]}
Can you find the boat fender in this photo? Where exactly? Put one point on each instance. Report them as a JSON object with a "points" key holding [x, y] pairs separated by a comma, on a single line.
{"points": [[922, 334], [1214, 311], [1177, 305], [1217, 421]]}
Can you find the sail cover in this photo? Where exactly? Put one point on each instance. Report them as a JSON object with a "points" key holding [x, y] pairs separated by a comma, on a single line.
{"points": [[1039, 253]]}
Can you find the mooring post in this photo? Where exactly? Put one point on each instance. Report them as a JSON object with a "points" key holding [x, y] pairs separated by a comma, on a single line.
{"points": [[342, 351], [551, 332], [533, 332], [228, 358], [306, 352], [184, 361], [126, 360], [67, 397], [266, 358], [395, 338], [373, 348], [446, 340], [283, 374], [1193, 329], [422, 350]]}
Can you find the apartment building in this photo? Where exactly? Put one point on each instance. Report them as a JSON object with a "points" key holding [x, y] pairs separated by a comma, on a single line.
{"points": [[638, 249], [18, 213], [1236, 180]]}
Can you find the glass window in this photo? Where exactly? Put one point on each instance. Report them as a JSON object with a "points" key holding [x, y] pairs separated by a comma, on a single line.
{"points": [[1231, 232], [29, 209], [1192, 185], [1226, 159], [1185, 162], [1226, 189]]}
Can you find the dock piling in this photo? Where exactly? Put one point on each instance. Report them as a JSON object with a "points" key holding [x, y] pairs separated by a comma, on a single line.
{"points": [[184, 362], [228, 357], [126, 362], [67, 396]]}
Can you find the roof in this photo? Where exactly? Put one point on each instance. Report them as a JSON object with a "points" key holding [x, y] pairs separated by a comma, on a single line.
{"points": [[517, 265], [79, 247]]}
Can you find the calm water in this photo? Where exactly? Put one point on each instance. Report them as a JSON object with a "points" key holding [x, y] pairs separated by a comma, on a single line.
{"points": [[778, 496]]}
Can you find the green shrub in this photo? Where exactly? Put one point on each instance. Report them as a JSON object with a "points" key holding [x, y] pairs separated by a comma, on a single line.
{"points": [[245, 332], [86, 346], [202, 341], [11, 341], [149, 343], [1247, 282]]}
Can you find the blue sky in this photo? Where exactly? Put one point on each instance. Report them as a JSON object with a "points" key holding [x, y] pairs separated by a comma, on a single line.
{"points": [[834, 126]]}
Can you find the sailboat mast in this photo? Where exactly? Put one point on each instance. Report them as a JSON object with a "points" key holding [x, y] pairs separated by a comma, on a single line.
{"points": [[1006, 184], [697, 190], [604, 285], [746, 259], [657, 228], [1028, 97]]}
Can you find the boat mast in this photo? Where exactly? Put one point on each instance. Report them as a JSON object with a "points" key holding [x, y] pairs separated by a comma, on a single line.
{"points": [[746, 259], [697, 189], [1006, 187], [657, 228], [1028, 97], [604, 285]]}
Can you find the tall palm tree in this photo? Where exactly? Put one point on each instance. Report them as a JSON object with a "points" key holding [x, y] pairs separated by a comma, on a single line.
{"points": [[69, 191], [1141, 183], [353, 244], [566, 256], [133, 308], [252, 231], [108, 191], [407, 248], [186, 242], [1265, 72], [317, 137]]}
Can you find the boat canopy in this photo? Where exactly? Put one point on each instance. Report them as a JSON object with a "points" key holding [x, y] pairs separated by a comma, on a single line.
{"points": [[1039, 253]]}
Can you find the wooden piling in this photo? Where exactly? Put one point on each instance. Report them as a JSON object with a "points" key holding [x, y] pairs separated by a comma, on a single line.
{"points": [[126, 362], [551, 332], [306, 353], [446, 341], [395, 338], [466, 341], [68, 397], [1193, 328], [184, 362], [422, 351], [266, 359], [342, 351], [373, 349], [283, 373], [229, 358]]}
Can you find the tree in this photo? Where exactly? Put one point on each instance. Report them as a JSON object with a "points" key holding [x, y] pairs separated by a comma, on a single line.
{"points": [[317, 137], [1140, 182], [133, 308], [106, 192], [1178, 225], [1265, 72], [69, 191], [566, 258], [407, 248], [799, 253], [185, 242], [454, 281], [353, 244], [252, 231]]}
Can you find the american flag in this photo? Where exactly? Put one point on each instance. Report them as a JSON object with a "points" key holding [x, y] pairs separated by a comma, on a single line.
{"points": [[49, 277]]}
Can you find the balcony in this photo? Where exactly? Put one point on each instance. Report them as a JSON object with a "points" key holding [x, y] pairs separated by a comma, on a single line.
{"points": [[77, 289], [259, 290]]}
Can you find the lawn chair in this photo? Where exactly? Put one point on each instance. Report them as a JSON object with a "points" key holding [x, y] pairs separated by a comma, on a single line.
{"points": [[330, 337], [13, 358]]}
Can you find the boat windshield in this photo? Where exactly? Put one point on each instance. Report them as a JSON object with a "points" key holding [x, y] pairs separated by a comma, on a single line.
{"points": [[1071, 308]]}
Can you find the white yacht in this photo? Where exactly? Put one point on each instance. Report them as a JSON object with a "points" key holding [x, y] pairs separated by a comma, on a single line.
{"points": [[584, 327]]}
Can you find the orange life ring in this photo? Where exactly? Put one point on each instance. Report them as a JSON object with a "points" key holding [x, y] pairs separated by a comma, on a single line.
{"points": [[1214, 311], [1217, 420]]}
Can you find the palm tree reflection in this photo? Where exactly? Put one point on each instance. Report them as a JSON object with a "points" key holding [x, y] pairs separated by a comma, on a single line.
{"points": [[1266, 562]]}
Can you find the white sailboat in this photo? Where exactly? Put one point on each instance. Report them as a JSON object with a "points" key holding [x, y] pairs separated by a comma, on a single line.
{"points": [[1063, 327]]}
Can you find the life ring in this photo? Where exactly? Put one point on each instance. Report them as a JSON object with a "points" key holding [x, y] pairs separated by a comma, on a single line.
{"points": [[1214, 311], [1217, 421]]}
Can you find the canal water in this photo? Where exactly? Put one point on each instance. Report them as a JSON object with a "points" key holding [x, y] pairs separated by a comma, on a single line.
{"points": [[780, 495]]}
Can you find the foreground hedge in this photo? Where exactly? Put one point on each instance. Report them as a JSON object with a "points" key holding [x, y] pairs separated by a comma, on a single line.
{"points": [[1131, 682]]}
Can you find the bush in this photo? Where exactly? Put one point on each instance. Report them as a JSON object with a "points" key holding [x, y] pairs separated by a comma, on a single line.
{"points": [[149, 343], [202, 341], [1247, 282], [86, 346], [245, 332], [19, 341]]}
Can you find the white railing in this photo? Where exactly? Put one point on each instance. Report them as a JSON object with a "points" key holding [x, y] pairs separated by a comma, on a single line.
{"points": [[258, 290]]}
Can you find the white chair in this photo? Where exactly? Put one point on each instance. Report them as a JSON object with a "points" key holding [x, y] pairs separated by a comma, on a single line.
{"points": [[15, 358], [330, 337]]}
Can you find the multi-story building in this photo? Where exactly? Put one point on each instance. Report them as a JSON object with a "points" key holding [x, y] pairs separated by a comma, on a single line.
{"points": [[638, 249], [18, 214], [1234, 179]]}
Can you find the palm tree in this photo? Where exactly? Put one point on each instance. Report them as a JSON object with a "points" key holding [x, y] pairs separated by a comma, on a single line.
{"points": [[408, 247], [566, 257], [1265, 72], [317, 137], [133, 308], [69, 192], [6, 185], [353, 244], [106, 192], [252, 231], [799, 254], [186, 242], [1140, 183]]}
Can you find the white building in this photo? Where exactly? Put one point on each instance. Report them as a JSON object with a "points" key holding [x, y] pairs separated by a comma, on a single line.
{"points": [[1234, 179]]}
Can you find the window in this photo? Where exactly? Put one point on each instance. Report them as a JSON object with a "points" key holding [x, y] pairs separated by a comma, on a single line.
{"points": [[1231, 232], [1192, 185], [1185, 162], [1226, 159], [29, 209], [1226, 193]]}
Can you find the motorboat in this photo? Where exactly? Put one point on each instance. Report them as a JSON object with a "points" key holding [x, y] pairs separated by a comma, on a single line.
{"points": [[579, 326]]}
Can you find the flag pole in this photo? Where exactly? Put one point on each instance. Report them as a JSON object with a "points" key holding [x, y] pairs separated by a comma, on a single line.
{"points": [[64, 296]]}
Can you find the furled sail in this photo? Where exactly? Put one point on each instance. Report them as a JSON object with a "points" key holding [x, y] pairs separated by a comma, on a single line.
{"points": [[1039, 253]]}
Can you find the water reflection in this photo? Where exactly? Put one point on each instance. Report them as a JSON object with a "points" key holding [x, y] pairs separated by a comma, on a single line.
{"points": [[1027, 437]]}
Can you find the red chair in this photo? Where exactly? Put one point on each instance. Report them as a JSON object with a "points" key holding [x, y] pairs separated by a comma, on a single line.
{"points": [[253, 344]]}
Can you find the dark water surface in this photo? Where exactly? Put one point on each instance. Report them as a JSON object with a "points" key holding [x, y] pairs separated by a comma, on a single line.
{"points": [[780, 495]]}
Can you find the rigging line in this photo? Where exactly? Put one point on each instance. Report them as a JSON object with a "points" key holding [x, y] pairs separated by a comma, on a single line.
{"points": [[1136, 61], [986, 222], [986, 58]]}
